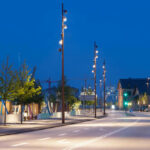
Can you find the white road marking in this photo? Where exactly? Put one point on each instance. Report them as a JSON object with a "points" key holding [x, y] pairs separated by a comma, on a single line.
{"points": [[63, 134], [20, 144], [63, 141], [76, 131], [45, 139], [100, 137]]}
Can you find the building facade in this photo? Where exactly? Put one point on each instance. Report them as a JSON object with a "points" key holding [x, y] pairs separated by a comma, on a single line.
{"points": [[131, 90]]}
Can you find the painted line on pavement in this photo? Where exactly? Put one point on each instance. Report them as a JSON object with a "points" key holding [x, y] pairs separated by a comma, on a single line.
{"points": [[76, 131], [20, 144], [43, 139], [100, 137], [63, 141], [63, 134]]}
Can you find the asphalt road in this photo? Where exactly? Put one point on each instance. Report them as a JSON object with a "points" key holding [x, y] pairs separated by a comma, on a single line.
{"points": [[116, 132]]}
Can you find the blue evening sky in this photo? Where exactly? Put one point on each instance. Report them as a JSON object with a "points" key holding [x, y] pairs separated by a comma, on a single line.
{"points": [[31, 30]]}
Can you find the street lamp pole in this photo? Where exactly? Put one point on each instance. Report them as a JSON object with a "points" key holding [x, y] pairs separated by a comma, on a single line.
{"points": [[95, 58], [100, 99], [104, 75], [61, 42], [63, 89], [85, 93]]}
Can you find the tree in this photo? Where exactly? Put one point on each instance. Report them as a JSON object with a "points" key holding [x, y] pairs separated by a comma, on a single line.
{"points": [[6, 84], [143, 100], [37, 98], [25, 87], [76, 105], [70, 94], [71, 101], [89, 91]]}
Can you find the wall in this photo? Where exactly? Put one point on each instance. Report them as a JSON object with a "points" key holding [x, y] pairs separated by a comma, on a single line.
{"points": [[8, 106], [120, 97]]}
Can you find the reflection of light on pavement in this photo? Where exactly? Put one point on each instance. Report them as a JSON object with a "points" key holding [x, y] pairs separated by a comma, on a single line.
{"points": [[63, 134], [100, 138], [64, 141], [20, 144], [133, 118], [44, 139], [113, 143], [76, 131], [111, 133]]}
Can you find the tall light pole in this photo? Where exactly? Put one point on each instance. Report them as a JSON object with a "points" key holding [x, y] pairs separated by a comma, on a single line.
{"points": [[100, 102], [94, 71], [104, 76], [85, 93], [61, 42], [148, 79]]}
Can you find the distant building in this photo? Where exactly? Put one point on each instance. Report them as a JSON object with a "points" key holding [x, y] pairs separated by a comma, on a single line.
{"points": [[87, 95], [131, 90], [111, 94]]}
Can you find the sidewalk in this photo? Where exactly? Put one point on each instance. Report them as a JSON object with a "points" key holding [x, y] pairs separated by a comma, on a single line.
{"points": [[34, 125]]}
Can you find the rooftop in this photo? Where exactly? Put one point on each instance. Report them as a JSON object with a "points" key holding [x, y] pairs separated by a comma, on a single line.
{"points": [[142, 84]]}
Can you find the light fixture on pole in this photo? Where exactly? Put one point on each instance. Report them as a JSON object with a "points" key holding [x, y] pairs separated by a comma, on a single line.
{"points": [[104, 76], [61, 42], [100, 100], [94, 71]]}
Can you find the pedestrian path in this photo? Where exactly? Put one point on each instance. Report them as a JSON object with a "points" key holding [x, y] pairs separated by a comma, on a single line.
{"points": [[33, 125]]}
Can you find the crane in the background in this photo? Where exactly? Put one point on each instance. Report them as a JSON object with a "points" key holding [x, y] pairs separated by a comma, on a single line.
{"points": [[33, 72], [49, 82]]}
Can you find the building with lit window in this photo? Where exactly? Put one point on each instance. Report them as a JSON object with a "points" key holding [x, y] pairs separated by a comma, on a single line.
{"points": [[131, 91]]}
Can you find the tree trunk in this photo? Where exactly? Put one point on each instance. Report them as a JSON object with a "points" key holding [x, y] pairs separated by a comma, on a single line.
{"points": [[32, 111], [53, 107], [21, 113], [56, 107], [68, 107], [39, 108], [5, 113]]}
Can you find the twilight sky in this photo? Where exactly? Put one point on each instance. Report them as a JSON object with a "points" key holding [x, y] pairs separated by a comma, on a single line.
{"points": [[31, 30]]}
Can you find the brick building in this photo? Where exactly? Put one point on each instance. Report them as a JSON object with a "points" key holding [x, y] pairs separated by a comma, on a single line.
{"points": [[134, 88]]}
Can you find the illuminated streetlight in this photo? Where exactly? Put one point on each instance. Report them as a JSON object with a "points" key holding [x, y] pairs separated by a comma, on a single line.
{"points": [[65, 19], [103, 67], [94, 71], [65, 26], [100, 99], [104, 75], [61, 42]]}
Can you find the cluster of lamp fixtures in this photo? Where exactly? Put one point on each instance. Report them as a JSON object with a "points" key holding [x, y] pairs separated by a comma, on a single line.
{"points": [[104, 69], [95, 58], [63, 25], [100, 81], [103, 66]]}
